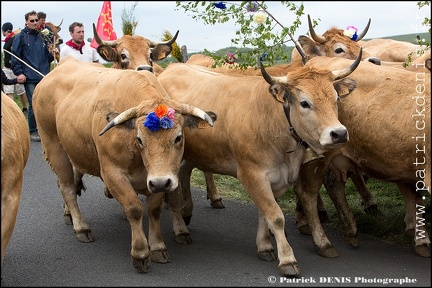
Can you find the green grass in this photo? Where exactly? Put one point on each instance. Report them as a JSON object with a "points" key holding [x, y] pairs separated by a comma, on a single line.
{"points": [[388, 225]]}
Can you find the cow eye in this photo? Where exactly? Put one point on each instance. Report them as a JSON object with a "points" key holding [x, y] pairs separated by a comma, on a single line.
{"points": [[178, 139], [339, 51], [304, 104], [123, 56], [139, 140]]}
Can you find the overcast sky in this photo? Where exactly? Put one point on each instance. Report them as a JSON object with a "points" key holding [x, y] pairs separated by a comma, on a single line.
{"points": [[388, 19]]}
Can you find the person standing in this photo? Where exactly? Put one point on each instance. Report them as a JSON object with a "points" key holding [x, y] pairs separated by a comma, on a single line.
{"points": [[34, 50], [11, 89], [77, 46]]}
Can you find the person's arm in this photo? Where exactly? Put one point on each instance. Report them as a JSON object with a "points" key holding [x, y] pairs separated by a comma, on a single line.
{"points": [[7, 81], [16, 65]]}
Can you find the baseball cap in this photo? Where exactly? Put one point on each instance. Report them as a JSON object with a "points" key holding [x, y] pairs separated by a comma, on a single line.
{"points": [[7, 27]]}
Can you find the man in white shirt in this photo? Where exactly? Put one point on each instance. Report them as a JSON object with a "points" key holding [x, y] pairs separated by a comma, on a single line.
{"points": [[77, 46]]}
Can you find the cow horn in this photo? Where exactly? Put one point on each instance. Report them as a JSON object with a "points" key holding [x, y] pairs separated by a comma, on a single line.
{"points": [[341, 73], [270, 79], [359, 37], [100, 41], [317, 38], [121, 118], [58, 26], [189, 109], [169, 42]]}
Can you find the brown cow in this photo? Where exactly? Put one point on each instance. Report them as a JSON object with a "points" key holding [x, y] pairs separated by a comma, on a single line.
{"points": [[333, 43], [134, 52], [421, 63], [15, 148], [391, 50], [258, 139], [141, 155], [388, 118]]}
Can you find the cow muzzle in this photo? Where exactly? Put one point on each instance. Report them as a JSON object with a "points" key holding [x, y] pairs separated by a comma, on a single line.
{"points": [[161, 184]]}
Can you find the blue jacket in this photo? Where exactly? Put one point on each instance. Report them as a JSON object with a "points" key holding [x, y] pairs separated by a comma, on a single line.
{"points": [[30, 47]]}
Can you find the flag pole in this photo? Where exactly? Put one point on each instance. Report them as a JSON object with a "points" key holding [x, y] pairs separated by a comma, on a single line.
{"points": [[25, 63]]}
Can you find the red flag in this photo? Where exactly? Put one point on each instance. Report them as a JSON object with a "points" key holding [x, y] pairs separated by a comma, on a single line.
{"points": [[104, 26]]}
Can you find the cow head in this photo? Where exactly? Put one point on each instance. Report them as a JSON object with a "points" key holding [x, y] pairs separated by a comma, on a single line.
{"points": [[56, 29], [333, 43], [133, 52], [309, 95], [159, 137]]}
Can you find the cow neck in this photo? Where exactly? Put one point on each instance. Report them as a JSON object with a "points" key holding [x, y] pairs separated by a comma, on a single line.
{"points": [[294, 134]]}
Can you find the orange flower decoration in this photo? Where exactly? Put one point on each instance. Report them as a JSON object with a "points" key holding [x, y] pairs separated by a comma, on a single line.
{"points": [[161, 110]]}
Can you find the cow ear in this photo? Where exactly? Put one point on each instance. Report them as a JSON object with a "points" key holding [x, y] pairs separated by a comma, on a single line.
{"points": [[160, 52], [309, 46], [107, 53], [344, 87], [278, 91], [195, 122]]}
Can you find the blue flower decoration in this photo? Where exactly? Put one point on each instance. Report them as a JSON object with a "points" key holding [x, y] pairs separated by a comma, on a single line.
{"points": [[166, 123], [152, 122], [355, 36], [263, 56], [220, 5]]}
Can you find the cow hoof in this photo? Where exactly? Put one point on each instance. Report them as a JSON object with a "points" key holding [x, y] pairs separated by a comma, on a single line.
{"points": [[67, 219], [183, 239], [267, 255], [85, 236], [107, 193], [328, 252], [304, 229], [217, 204], [289, 269], [141, 265], [187, 219], [352, 240], [160, 256], [423, 250], [372, 210], [323, 216]]}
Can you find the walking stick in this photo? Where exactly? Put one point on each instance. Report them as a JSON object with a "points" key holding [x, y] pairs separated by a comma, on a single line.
{"points": [[24, 63]]}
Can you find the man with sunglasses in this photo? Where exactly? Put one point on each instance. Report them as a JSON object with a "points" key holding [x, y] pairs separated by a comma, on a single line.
{"points": [[30, 47]]}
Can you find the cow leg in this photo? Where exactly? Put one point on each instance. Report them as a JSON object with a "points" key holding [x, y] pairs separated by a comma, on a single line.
{"points": [[175, 204], [133, 208], [212, 192], [336, 191], [307, 188], [265, 247], [158, 250], [368, 201], [61, 165], [261, 193], [184, 179], [414, 219], [80, 186], [10, 200]]}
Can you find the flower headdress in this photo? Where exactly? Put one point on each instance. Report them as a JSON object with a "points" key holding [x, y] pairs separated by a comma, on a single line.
{"points": [[162, 117], [47, 35], [351, 32]]}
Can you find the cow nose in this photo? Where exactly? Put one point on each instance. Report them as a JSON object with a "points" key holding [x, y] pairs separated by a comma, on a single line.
{"points": [[158, 185], [145, 67], [339, 136]]}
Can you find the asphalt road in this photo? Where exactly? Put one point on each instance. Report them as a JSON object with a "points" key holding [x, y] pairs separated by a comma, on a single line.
{"points": [[44, 251]]}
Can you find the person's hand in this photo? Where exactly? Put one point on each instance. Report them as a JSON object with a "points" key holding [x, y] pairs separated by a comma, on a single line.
{"points": [[21, 78]]}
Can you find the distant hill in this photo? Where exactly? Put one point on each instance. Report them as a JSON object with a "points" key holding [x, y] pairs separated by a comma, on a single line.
{"points": [[408, 37]]}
